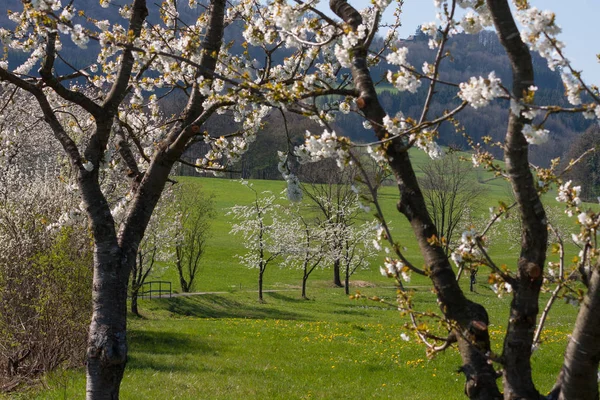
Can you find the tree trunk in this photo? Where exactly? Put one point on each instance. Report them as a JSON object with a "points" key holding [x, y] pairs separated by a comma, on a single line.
{"points": [[304, 279], [347, 280], [261, 271], [337, 280], [134, 301], [579, 375], [107, 341], [471, 318], [516, 355]]}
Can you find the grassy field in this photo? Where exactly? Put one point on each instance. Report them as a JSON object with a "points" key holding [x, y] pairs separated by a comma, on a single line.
{"points": [[225, 345]]}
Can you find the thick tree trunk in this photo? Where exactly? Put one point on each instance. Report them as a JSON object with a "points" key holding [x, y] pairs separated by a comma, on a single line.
{"points": [[579, 375], [107, 341], [516, 356]]}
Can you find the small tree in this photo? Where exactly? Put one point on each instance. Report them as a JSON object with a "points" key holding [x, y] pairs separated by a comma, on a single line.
{"points": [[196, 210], [355, 249], [450, 193], [257, 223], [330, 191], [305, 245], [161, 235]]}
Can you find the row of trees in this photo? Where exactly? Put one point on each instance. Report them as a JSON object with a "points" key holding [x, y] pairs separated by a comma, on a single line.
{"points": [[293, 238]]}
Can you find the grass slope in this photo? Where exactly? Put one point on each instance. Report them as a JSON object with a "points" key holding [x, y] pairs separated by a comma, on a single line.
{"points": [[226, 345]]}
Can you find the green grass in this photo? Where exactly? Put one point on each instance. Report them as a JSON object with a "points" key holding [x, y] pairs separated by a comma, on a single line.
{"points": [[228, 346]]}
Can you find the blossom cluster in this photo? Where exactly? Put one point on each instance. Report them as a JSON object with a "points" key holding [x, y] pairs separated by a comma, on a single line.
{"points": [[403, 79], [468, 250], [479, 92], [316, 148], [393, 268], [570, 195]]}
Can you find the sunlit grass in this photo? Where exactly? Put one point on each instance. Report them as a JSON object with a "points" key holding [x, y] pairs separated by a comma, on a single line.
{"points": [[228, 346]]}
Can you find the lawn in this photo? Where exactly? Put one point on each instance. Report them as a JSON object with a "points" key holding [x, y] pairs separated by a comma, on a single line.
{"points": [[225, 345]]}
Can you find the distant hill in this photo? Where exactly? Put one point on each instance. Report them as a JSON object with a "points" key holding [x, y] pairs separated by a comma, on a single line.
{"points": [[470, 55]]}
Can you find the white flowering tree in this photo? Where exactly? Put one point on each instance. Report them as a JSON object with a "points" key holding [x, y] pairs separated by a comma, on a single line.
{"points": [[259, 224], [118, 123], [332, 193], [467, 322], [118, 97], [305, 243], [351, 244]]}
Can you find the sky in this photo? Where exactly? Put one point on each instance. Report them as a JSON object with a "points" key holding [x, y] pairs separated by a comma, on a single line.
{"points": [[579, 20]]}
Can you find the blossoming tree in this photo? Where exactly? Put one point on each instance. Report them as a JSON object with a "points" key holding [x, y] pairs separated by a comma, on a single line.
{"points": [[139, 59]]}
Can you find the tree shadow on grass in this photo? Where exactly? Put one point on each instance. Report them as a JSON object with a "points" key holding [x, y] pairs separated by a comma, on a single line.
{"points": [[160, 350], [167, 342], [217, 306], [283, 297]]}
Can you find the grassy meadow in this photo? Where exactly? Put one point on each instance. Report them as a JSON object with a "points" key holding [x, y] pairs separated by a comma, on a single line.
{"points": [[223, 344]]}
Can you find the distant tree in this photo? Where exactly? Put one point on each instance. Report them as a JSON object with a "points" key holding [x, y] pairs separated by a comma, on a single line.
{"points": [[195, 212], [330, 191], [586, 172], [157, 245], [450, 192], [257, 223], [356, 249], [305, 244]]}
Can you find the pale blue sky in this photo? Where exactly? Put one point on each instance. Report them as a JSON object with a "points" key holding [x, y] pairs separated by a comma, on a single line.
{"points": [[579, 20]]}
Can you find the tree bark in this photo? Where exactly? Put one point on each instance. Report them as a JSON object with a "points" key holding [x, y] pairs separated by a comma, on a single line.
{"points": [[579, 375], [337, 279], [304, 279], [260, 285], [347, 280], [516, 357], [107, 341]]}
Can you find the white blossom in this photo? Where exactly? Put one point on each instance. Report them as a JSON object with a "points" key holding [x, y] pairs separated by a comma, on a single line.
{"points": [[480, 91]]}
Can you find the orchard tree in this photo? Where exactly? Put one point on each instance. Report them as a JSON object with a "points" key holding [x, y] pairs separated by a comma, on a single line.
{"points": [[356, 249], [195, 210], [466, 321], [305, 244], [110, 97], [258, 223], [330, 190], [450, 195]]}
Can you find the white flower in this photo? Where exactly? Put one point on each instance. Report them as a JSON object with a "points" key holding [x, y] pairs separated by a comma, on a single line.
{"points": [[480, 91], [405, 276], [376, 245], [398, 57], [404, 337], [79, 37], [535, 134]]}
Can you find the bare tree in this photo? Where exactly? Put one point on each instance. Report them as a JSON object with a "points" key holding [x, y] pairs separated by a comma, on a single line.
{"points": [[195, 212], [450, 194]]}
